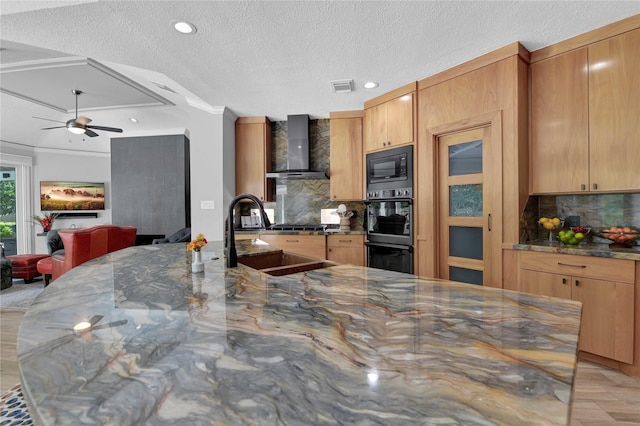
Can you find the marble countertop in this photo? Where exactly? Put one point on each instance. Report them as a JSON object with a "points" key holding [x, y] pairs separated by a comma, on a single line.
{"points": [[340, 345], [583, 249]]}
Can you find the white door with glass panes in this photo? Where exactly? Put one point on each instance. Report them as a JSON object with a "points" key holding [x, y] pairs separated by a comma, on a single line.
{"points": [[464, 219]]}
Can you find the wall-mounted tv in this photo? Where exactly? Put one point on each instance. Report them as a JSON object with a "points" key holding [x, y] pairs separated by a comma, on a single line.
{"points": [[55, 195]]}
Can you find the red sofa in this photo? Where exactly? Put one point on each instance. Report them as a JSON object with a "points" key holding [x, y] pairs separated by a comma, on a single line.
{"points": [[81, 245]]}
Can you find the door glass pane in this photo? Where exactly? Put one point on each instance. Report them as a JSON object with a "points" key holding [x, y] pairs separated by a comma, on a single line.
{"points": [[8, 210], [465, 275], [465, 241], [465, 200], [465, 158]]}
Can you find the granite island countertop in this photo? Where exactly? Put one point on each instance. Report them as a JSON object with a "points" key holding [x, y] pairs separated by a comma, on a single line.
{"points": [[340, 345]]}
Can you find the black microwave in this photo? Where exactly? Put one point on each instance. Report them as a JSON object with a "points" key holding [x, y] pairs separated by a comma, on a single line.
{"points": [[391, 168]]}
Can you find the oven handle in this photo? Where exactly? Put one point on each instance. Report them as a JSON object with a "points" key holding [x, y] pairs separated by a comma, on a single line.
{"points": [[377, 200], [395, 246]]}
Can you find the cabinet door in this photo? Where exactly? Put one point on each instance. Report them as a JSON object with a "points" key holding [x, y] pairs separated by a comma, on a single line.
{"points": [[469, 245], [346, 249], [560, 124], [306, 245], [400, 120], [346, 255], [545, 284], [614, 111], [346, 159], [607, 326], [376, 127], [253, 158]]}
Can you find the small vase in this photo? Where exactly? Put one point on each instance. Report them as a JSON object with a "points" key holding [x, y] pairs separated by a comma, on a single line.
{"points": [[345, 224], [197, 265]]}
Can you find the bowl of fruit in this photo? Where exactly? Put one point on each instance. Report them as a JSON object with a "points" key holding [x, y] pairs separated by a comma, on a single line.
{"points": [[573, 236], [550, 224], [623, 236]]}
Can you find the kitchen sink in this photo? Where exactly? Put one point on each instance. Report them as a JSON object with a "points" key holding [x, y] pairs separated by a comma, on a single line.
{"points": [[282, 263]]}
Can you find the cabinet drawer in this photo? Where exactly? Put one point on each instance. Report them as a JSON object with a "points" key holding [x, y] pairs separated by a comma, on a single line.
{"points": [[345, 240], [602, 268], [308, 245]]}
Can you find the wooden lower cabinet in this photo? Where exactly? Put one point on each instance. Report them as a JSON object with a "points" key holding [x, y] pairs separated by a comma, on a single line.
{"points": [[607, 327], [307, 245], [346, 249]]}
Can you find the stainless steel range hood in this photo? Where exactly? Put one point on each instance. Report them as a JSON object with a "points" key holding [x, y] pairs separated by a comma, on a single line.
{"points": [[297, 151]]}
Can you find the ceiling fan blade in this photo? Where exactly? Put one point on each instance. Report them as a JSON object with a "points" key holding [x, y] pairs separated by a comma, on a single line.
{"points": [[90, 133], [48, 119], [56, 127], [83, 120], [107, 129]]}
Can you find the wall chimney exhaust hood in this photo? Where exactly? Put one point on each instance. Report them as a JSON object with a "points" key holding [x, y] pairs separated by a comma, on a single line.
{"points": [[297, 151]]}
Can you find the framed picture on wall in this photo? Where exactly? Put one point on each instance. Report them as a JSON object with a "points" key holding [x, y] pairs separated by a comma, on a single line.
{"points": [[58, 195]]}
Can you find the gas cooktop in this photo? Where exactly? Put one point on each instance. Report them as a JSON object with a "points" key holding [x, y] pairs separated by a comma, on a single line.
{"points": [[296, 227]]}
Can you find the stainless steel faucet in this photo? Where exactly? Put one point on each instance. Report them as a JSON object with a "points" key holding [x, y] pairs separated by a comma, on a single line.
{"points": [[232, 255]]}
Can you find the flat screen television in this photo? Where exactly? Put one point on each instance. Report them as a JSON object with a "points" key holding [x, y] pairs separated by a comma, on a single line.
{"points": [[57, 195]]}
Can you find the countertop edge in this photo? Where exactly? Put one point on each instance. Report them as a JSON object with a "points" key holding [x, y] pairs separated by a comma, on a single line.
{"points": [[595, 250]]}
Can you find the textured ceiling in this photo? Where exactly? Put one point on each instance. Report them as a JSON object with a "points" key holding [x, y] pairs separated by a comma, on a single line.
{"points": [[277, 58]]}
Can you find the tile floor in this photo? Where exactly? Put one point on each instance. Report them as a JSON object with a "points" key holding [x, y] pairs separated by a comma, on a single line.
{"points": [[605, 397]]}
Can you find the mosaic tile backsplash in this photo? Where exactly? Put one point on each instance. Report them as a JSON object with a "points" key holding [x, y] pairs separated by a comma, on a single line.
{"points": [[300, 201], [597, 211]]}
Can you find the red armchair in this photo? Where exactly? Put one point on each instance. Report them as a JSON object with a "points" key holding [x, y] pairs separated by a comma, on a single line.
{"points": [[81, 245]]}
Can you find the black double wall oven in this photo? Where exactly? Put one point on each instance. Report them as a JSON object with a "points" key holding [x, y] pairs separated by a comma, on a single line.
{"points": [[390, 209]]}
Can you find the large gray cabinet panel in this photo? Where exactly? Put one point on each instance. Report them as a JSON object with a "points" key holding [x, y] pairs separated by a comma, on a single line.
{"points": [[150, 183]]}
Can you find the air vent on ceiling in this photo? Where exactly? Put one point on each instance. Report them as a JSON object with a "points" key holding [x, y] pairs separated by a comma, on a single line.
{"points": [[342, 86]]}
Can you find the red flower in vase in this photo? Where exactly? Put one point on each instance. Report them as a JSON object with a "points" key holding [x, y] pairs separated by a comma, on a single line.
{"points": [[46, 221]]}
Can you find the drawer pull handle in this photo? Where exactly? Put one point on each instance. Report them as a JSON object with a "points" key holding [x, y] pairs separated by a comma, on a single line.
{"points": [[292, 241], [573, 266], [577, 283], [564, 281], [345, 241]]}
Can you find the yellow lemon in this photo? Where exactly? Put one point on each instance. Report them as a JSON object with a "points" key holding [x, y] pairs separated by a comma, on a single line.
{"points": [[543, 220], [548, 225], [555, 221]]}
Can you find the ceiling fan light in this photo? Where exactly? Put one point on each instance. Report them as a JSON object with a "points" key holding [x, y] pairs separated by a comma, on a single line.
{"points": [[76, 130]]}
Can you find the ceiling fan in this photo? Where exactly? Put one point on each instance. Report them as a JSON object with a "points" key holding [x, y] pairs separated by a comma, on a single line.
{"points": [[80, 125]]}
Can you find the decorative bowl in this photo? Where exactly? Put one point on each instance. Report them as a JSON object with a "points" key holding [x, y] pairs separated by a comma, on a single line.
{"points": [[621, 236], [573, 236], [551, 225]]}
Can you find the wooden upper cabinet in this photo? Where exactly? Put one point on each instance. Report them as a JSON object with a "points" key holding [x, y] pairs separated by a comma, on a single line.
{"points": [[376, 127], [614, 113], [584, 118], [560, 124], [253, 157], [346, 156], [390, 119]]}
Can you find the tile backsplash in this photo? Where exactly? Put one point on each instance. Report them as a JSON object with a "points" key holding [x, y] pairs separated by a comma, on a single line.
{"points": [[595, 210], [301, 201]]}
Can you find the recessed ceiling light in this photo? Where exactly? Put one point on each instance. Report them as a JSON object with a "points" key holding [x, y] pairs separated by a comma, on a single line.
{"points": [[370, 85], [133, 119], [184, 27]]}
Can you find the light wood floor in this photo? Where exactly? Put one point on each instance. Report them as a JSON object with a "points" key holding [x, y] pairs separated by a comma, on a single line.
{"points": [[601, 397]]}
